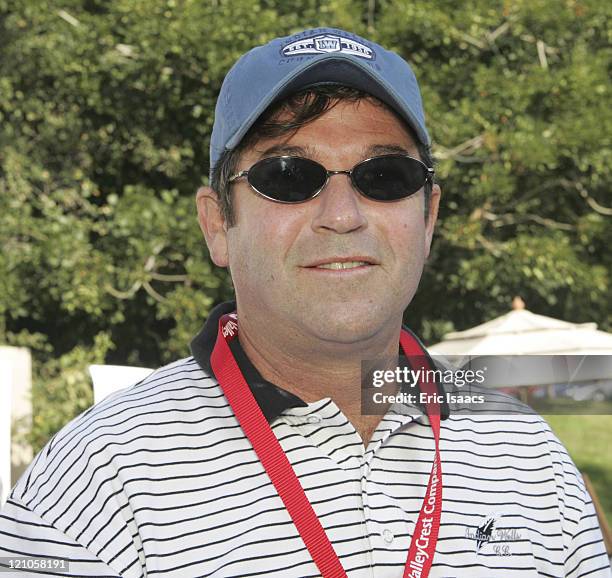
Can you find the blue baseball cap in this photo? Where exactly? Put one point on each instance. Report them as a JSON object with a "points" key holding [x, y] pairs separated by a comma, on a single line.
{"points": [[313, 57]]}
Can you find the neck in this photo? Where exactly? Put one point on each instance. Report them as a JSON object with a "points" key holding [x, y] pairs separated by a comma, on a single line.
{"points": [[318, 370]]}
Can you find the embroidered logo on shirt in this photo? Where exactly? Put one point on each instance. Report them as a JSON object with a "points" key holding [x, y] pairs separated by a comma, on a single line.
{"points": [[484, 532], [327, 43], [490, 532]]}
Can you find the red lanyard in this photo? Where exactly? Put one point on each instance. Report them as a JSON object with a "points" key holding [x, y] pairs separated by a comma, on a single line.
{"points": [[278, 468]]}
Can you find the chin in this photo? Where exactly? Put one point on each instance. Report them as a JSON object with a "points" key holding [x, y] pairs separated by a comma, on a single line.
{"points": [[349, 324]]}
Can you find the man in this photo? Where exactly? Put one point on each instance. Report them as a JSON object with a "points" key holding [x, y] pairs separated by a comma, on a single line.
{"points": [[253, 458]]}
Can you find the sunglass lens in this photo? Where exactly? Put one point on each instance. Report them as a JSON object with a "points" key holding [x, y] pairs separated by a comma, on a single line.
{"points": [[287, 179], [390, 177]]}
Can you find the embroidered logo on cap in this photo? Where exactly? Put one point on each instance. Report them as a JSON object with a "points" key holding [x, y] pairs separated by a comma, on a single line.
{"points": [[327, 43]]}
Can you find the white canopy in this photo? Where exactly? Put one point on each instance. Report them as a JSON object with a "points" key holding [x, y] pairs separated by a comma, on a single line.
{"points": [[521, 332]]}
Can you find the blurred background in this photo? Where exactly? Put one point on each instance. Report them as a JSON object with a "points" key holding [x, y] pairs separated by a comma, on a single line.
{"points": [[106, 109]]}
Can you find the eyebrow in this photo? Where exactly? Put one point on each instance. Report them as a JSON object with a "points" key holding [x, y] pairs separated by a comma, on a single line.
{"points": [[287, 150], [388, 149], [282, 149]]}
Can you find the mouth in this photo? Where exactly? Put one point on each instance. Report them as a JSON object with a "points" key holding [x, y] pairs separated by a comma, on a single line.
{"points": [[340, 265], [343, 263]]}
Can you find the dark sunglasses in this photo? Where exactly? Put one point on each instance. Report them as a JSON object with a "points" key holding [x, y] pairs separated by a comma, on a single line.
{"points": [[289, 179]]}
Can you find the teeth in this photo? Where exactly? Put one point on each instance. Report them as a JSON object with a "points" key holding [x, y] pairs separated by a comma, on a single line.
{"points": [[343, 265]]}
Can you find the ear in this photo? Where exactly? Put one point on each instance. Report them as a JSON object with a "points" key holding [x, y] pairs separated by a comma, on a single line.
{"points": [[432, 217], [213, 225]]}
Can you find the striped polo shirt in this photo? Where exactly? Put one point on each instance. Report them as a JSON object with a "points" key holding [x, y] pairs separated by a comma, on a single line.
{"points": [[159, 480]]}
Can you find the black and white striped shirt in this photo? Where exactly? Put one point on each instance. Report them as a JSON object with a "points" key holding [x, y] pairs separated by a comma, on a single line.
{"points": [[159, 480]]}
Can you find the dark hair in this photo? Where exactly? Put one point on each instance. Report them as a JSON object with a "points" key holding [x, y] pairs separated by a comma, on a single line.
{"points": [[287, 116]]}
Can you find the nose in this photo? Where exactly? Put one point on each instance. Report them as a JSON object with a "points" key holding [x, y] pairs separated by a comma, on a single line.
{"points": [[340, 207]]}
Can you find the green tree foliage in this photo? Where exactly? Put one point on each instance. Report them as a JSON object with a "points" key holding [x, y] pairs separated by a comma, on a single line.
{"points": [[106, 109]]}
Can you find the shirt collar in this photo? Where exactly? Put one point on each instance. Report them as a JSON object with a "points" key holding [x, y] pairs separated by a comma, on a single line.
{"points": [[272, 400]]}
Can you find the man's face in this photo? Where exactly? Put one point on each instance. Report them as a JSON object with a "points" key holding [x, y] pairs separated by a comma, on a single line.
{"points": [[275, 250]]}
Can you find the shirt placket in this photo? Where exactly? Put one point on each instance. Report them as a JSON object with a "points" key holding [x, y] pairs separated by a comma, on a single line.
{"points": [[350, 460], [382, 533]]}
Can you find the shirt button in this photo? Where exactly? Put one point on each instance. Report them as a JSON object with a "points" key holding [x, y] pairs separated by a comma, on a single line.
{"points": [[313, 419], [388, 536]]}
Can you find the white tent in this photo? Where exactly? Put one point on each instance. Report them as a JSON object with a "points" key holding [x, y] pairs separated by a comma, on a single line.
{"points": [[521, 332]]}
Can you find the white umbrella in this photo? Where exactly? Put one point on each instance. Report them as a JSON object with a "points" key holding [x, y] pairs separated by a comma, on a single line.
{"points": [[521, 332]]}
